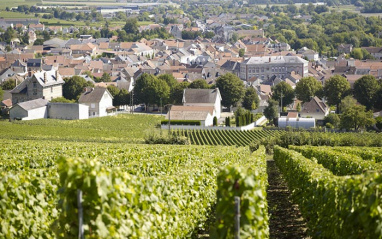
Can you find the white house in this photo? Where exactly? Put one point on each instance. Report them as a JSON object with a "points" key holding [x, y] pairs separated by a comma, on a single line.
{"points": [[29, 110], [42, 84], [315, 108], [203, 97], [99, 100], [204, 114]]}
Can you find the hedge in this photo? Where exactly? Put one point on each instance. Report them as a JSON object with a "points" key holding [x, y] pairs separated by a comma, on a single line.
{"points": [[182, 122], [339, 163], [334, 206], [248, 181]]}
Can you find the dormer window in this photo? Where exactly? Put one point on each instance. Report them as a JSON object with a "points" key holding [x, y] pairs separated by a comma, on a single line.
{"points": [[34, 84]]}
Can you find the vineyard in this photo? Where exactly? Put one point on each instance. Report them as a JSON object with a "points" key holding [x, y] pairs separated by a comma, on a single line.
{"points": [[225, 137], [337, 188], [123, 128], [135, 191]]}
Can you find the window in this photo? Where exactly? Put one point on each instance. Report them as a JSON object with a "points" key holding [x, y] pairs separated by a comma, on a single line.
{"points": [[34, 84], [92, 106]]}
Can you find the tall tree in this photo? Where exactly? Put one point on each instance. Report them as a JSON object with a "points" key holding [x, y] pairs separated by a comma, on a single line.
{"points": [[199, 84], [122, 98], [250, 99], [149, 89], [335, 89], [105, 77], [169, 79], [283, 91], [347, 103], [131, 26], [73, 87], [231, 89], [308, 87], [177, 93], [356, 117], [365, 90], [271, 111]]}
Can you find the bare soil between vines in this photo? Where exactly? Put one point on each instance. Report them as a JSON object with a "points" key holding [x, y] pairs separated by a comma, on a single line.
{"points": [[286, 220]]}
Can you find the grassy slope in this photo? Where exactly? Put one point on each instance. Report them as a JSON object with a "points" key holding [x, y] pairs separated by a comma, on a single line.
{"points": [[121, 128]]}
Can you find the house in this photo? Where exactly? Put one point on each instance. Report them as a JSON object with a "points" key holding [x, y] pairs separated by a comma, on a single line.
{"points": [[292, 120], [204, 114], [203, 97], [42, 84], [34, 64], [345, 48], [99, 100], [68, 111], [29, 110], [5, 106], [36, 27], [315, 108], [84, 49]]}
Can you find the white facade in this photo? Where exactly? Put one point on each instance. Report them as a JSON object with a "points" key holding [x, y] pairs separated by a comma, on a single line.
{"points": [[68, 111], [268, 66], [18, 112]]}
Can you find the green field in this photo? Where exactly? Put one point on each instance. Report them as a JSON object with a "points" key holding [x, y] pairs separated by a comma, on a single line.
{"points": [[123, 128], [6, 14], [129, 190], [15, 3]]}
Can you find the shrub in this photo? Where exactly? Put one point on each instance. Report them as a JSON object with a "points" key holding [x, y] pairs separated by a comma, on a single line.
{"points": [[181, 122]]}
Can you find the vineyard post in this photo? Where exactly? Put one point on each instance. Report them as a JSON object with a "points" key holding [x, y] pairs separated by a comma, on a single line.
{"points": [[80, 215], [237, 217]]}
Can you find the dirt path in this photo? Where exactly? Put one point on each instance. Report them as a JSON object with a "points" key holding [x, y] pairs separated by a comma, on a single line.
{"points": [[285, 218]]}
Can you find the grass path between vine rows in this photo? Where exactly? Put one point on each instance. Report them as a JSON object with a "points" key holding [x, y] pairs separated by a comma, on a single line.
{"points": [[286, 220]]}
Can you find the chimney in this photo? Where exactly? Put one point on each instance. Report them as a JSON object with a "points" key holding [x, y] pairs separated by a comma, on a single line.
{"points": [[29, 73], [84, 90], [56, 75], [45, 78], [269, 59]]}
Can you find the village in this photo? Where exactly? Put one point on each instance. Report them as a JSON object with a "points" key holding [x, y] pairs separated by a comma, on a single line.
{"points": [[108, 65]]}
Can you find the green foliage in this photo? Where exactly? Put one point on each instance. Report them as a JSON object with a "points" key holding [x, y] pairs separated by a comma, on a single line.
{"points": [[160, 138], [73, 87], [366, 153], [62, 100], [308, 87], [149, 89], [347, 103], [227, 122], [215, 121], [356, 117], [1, 94], [271, 111], [339, 163], [337, 207], [251, 99], [335, 89], [378, 122], [247, 181], [122, 128], [283, 91], [176, 94], [365, 90], [199, 84], [182, 122], [226, 137], [231, 89], [332, 119], [241, 52], [8, 84], [131, 26]]}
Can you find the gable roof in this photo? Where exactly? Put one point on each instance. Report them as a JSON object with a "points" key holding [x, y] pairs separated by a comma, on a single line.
{"points": [[315, 105], [33, 104], [200, 95], [179, 112], [93, 95]]}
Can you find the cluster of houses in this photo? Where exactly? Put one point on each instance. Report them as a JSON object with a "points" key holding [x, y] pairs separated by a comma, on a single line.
{"points": [[31, 99], [264, 63]]}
